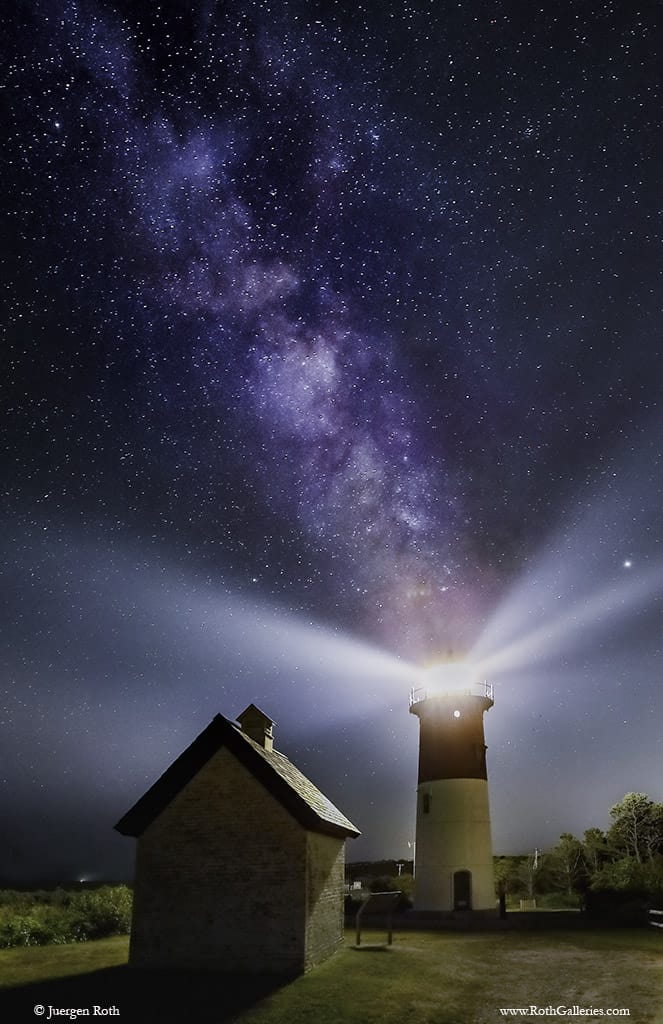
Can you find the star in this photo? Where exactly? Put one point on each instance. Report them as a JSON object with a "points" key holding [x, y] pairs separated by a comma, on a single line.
{"points": [[355, 312]]}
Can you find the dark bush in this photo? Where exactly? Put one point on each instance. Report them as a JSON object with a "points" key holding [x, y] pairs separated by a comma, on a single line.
{"points": [[617, 907], [38, 919], [102, 912], [352, 905]]}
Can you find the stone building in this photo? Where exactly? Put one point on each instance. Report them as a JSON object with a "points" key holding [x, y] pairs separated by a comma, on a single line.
{"points": [[240, 859]]}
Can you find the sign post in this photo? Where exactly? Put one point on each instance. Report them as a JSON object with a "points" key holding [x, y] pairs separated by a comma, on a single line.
{"points": [[378, 903]]}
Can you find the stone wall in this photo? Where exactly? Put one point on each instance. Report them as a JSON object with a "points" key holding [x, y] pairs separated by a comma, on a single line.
{"points": [[219, 878], [325, 876], [226, 879]]}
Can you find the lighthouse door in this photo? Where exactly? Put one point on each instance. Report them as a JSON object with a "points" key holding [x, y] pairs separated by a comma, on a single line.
{"points": [[462, 890]]}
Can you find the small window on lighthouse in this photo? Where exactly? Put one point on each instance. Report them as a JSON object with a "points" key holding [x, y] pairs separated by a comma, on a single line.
{"points": [[456, 714], [426, 806]]}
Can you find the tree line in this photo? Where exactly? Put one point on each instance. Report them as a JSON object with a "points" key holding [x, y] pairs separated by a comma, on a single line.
{"points": [[627, 858]]}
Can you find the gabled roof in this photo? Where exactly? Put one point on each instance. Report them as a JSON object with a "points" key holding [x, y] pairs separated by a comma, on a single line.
{"points": [[276, 773]]}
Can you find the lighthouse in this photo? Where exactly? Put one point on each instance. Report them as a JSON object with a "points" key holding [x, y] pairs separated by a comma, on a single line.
{"points": [[454, 854]]}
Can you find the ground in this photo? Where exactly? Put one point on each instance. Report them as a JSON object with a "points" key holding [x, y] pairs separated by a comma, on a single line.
{"points": [[423, 978]]}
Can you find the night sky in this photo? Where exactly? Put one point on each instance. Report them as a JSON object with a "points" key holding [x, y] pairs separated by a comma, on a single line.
{"points": [[331, 347]]}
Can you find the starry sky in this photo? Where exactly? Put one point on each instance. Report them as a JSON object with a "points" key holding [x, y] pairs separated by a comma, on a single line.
{"points": [[331, 340]]}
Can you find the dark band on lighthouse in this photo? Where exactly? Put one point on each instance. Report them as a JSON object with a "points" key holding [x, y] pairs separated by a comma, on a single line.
{"points": [[452, 744]]}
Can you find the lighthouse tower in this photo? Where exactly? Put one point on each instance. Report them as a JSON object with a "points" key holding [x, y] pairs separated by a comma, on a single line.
{"points": [[454, 854]]}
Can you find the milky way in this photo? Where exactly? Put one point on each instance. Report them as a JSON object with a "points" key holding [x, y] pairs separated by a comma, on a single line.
{"points": [[351, 311]]}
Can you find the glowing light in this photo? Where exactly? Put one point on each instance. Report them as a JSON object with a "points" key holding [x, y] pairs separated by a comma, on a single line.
{"points": [[450, 678], [449, 675]]}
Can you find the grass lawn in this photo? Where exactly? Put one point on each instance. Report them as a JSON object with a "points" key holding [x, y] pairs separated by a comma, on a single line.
{"points": [[25, 965], [424, 978]]}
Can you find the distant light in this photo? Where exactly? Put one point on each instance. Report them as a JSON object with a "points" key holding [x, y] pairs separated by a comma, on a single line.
{"points": [[456, 714], [627, 563]]}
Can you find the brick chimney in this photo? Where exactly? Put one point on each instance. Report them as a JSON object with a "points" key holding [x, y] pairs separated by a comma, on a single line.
{"points": [[258, 726]]}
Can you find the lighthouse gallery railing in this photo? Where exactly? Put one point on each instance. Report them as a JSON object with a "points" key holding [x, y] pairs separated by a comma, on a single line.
{"points": [[482, 689]]}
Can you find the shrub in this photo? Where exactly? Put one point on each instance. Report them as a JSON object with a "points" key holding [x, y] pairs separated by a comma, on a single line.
{"points": [[558, 901], [59, 917], [18, 930], [102, 912], [17, 900], [36, 929], [628, 875], [351, 905]]}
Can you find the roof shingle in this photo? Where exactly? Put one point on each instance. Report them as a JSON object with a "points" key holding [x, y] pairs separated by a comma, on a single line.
{"points": [[287, 784]]}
